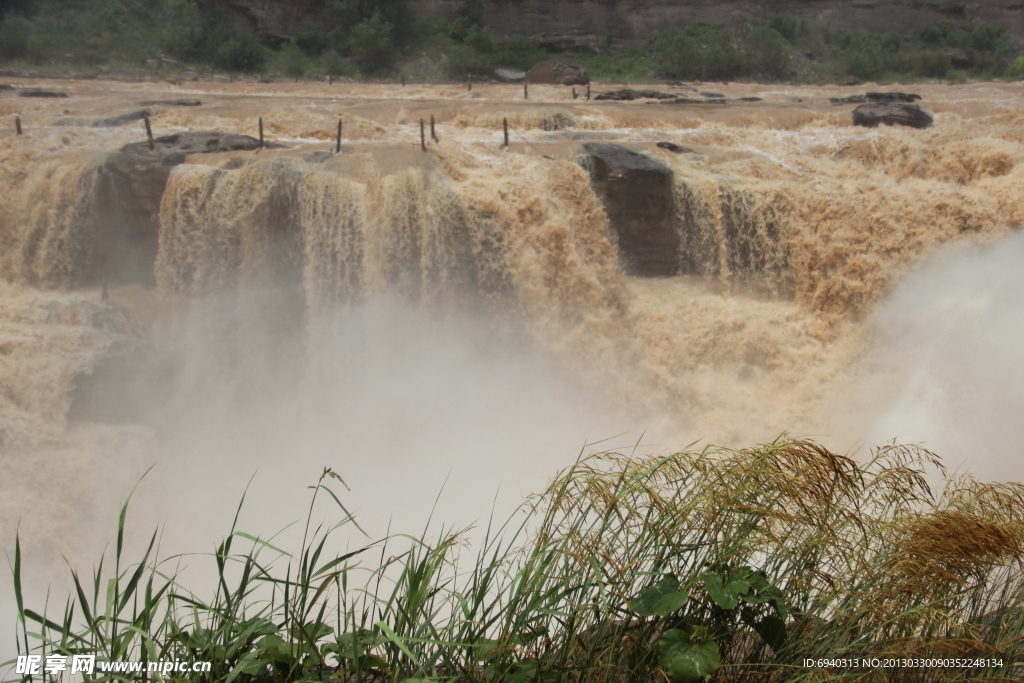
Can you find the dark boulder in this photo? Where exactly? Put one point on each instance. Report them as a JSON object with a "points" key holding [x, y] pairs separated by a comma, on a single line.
{"points": [[637, 194], [852, 99], [716, 100], [628, 94], [557, 73], [132, 185], [892, 114], [34, 92], [673, 147], [171, 103], [886, 97], [876, 98], [712, 94]]}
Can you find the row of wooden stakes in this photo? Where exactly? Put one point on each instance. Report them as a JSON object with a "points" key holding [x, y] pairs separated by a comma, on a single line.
{"points": [[337, 143]]}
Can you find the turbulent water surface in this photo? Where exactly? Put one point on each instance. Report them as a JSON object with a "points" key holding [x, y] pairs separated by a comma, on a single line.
{"points": [[460, 315]]}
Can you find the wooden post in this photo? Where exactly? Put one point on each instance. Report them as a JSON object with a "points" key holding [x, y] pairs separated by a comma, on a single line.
{"points": [[526, 90], [504, 124], [433, 135], [330, 80], [423, 138], [149, 132], [17, 124], [403, 80], [261, 132], [337, 145], [588, 92], [469, 81], [574, 93]]}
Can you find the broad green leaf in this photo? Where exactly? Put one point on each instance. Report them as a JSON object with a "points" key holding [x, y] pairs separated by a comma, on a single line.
{"points": [[687, 659], [763, 591], [725, 592], [661, 599], [772, 631]]}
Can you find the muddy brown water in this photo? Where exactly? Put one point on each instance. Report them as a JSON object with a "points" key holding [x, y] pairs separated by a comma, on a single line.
{"points": [[377, 354]]}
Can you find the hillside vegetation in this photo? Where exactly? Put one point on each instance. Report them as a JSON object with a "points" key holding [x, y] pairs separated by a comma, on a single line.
{"points": [[382, 38]]}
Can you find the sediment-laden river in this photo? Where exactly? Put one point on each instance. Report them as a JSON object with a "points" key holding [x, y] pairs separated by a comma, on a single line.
{"points": [[466, 313]]}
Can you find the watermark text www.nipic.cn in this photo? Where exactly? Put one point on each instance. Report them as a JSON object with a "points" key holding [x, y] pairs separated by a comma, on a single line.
{"points": [[36, 665]]}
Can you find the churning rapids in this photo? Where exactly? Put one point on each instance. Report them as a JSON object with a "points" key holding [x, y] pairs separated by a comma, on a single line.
{"points": [[408, 318]]}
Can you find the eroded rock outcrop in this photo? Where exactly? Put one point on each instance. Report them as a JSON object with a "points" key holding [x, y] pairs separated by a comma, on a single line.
{"points": [[35, 92], [892, 114], [629, 94], [666, 225], [675, 149], [876, 98], [132, 185], [636, 191]]}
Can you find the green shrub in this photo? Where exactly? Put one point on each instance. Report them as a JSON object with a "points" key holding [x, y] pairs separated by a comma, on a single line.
{"points": [[293, 61], [14, 36], [242, 52], [932, 64], [865, 57], [312, 39], [788, 26], [463, 60], [470, 11], [373, 46], [703, 52], [194, 30], [519, 53], [333, 63], [939, 33], [768, 54], [1016, 70], [989, 37], [345, 16], [957, 75], [433, 25]]}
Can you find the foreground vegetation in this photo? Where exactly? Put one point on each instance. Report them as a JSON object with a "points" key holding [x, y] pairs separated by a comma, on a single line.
{"points": [[719, 565], [381, 38]]}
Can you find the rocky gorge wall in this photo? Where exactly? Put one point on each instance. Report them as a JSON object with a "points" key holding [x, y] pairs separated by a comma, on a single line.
{"points": [[593, 24]]}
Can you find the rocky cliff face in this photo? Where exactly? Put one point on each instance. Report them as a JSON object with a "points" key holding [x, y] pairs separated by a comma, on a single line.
{"points": [[595, 23]]}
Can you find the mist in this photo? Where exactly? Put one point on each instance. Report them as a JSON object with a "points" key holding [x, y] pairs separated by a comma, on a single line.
{"points": [[408, 405], [950, 347]]}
